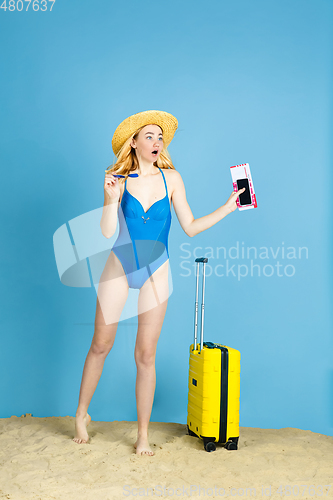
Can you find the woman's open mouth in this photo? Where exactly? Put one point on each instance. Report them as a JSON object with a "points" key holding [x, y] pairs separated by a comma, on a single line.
{"points": [[155, 152]]}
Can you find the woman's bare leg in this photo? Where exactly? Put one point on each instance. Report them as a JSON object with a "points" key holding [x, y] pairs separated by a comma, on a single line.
{"points": [[111, 297], [153, 300]]}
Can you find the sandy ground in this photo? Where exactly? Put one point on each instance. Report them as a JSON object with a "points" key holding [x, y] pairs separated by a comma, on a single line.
{"points": [[39, 460]]}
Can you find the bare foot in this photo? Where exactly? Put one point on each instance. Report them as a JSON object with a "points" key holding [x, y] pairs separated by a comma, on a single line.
{"points": [[142, 446], [81, 423]]}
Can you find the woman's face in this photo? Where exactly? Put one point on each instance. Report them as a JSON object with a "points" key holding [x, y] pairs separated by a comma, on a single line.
{"points": [[149, 143]]}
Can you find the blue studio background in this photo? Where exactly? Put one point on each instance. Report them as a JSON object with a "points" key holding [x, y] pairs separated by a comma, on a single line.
{"points": [[248, 82]]}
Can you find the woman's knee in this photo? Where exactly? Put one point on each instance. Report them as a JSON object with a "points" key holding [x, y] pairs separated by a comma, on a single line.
{"points": [[144, 358], [101, 348], [103, 339]]}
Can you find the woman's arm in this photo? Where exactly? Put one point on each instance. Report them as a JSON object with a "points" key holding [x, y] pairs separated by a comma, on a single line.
{"points": [[111, 203], [193, 226]]}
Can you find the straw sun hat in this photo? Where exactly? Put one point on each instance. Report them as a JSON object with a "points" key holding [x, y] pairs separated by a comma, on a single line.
{"points": [[166, 121]]}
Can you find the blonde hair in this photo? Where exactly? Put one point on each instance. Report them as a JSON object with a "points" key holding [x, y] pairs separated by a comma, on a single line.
{"points": [[127, 160]]}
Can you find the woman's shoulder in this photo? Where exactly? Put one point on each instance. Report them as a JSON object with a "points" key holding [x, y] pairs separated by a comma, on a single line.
{"points": [[172, 177], [172, 173]]}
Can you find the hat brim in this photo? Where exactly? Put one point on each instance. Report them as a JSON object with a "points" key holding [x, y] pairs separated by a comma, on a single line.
{"points": [[166, 121]]}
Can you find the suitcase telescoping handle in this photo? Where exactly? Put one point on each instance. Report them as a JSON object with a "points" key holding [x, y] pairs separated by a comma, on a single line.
{"points": [[204, 260]]}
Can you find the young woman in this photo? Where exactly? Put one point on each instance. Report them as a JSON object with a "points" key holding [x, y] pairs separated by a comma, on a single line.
{"points": [[139, 258]]}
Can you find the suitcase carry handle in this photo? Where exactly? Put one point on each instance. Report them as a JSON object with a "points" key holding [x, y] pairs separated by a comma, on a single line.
{"points": [[204, 261]]}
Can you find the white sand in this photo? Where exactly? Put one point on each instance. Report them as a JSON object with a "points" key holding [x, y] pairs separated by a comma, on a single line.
{"points": [[39, 460]]}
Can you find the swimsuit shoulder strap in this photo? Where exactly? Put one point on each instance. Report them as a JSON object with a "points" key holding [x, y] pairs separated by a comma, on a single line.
{"points": [[166, 188]]}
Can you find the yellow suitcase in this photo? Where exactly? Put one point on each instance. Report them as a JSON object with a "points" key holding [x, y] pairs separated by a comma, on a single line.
{"points": [[213, 386]]}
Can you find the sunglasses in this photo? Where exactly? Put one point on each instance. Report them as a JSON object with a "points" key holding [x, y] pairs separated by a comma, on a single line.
{"points": [[119, 175], [128, 175]]}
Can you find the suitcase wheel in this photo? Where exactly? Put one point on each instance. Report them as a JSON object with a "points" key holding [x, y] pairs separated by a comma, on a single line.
{"points": [[231, 445], [209, 445]]}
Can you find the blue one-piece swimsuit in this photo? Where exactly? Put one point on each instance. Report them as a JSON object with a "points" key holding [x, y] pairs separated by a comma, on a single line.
{"points": [[142, 243]]}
